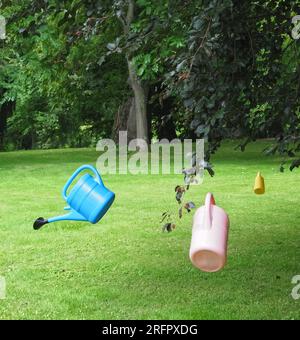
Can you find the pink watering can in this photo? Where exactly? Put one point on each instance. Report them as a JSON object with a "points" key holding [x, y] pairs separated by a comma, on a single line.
{"points": [[208, 250]]}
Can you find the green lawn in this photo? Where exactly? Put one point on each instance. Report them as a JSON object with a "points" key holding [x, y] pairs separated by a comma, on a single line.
{"points": [[124, 267]]}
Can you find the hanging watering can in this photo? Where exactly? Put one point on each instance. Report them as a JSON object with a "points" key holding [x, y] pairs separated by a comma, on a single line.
{"points": [[88, 200], [208, 250], [259, 185]]}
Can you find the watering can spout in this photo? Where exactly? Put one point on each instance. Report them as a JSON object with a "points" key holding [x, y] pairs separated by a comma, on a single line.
{"points": [[209, 202], [39, 222], [72, 216]]}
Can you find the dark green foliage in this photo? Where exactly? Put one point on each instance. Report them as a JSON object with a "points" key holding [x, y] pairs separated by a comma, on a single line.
{"points": [[64, 94], [238, 74], [214, 68]]}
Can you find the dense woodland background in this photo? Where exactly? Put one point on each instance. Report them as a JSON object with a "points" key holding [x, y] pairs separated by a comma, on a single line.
{"points": [[74, 71]]}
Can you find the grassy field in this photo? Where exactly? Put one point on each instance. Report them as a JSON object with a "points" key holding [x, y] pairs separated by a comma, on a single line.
{"points": [[124, 267]]}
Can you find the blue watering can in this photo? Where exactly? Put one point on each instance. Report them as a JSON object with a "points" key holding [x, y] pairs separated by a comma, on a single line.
{"points": [[88, 200]]}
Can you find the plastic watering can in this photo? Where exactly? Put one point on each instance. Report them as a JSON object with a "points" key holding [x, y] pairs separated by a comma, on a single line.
{"points": [[208, 250], [259, 185], [88, 200]]}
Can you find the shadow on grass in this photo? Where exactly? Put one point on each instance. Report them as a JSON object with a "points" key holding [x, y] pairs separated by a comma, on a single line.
{"points": [[64, 226]]}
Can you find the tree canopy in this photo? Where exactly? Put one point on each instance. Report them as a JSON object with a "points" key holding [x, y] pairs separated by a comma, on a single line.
{"points": [[213, 69]]}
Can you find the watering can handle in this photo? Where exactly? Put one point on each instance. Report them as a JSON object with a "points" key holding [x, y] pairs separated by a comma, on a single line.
{"points": [[75, 174], [209, 201]]}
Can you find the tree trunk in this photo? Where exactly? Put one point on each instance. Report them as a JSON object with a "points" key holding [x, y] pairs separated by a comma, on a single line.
{"points": [[131, 121], [137, 122], [5, 111], [140, 101], [160, 113], [125, 120]]}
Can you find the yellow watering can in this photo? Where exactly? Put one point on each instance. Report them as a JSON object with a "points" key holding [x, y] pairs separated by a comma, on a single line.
{"points": [[259, 186]]}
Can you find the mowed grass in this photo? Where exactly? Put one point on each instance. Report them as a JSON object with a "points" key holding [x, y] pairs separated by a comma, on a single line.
{"points": [[124, 267]]}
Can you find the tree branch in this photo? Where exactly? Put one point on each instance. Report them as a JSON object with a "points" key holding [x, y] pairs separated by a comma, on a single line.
{"points": [[199, 48], [128, 19], [130, 15]]}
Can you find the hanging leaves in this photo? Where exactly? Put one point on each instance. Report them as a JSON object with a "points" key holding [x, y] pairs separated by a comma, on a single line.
{"points": [[180, 212], [202, 164], [164, 216], [207, 166], [168, 227], [295, 164], [189, 206], [180, 190], [190, 176]]}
